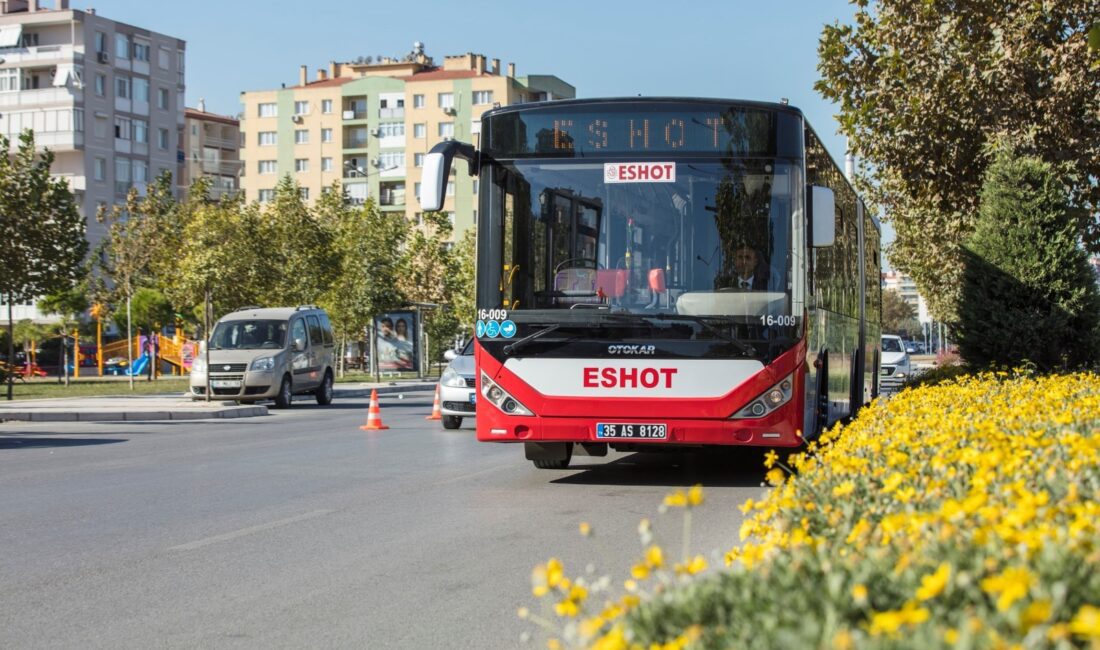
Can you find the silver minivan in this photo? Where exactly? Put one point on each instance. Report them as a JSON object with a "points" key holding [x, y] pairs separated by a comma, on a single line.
{"points": [[257, 354]]}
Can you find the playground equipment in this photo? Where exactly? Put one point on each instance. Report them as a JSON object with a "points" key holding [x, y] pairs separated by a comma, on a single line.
{"points": [[141, 365]]}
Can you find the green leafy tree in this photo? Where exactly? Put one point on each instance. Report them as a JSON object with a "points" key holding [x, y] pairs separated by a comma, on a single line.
{"points": [[150, 309], [1028, 291], [302, 245], [67, 305], [366, 245], [430, 275], [923, 86], [43, 232], [465, 264], [898, 316]]}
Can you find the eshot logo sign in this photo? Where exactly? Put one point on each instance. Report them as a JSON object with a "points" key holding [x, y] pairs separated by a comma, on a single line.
{"points": [[639, 172]]}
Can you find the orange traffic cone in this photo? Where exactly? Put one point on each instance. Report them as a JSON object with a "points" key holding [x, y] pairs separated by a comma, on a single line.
{"points": [[374, 416], [437, 413]]}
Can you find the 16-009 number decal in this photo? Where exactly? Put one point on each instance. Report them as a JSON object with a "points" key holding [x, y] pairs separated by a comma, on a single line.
{"points": [[781, 320], [492, 314]]}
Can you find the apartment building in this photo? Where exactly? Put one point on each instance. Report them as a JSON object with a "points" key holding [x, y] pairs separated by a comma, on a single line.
{"points": [[212, 147], [106, 97], [368, 124]]}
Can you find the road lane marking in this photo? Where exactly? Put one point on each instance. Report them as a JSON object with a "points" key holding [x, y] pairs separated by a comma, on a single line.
{"points": [[190, 546]]}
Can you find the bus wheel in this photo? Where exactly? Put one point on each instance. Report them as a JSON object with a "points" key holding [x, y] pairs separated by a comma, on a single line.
{"points": [[549, 455]]}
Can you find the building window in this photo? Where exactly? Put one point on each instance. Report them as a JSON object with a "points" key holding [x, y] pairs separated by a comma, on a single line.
{"points": [[416, 190], [326, 164], [268, 138], [141, 172], [418, 101], [420, 130], [301, 165], [446, 129], [99, 128], [123, 128], [301, 108], [266, 196], [141, 90], [326, 135], [303, 193], [268, 110], [301, 136], [122, 46], [122, 175], [141, 131], [392, 159], [446, 100], [9, 80], [100, 84], [162, 98], [326, 106], [451, 217], [392, 129], [483, 97], [141, 51], [100, 168], [451, 188], [418, 161], [267, 167], [163, 57], [162, 139], [122, 87], [100, 42]]}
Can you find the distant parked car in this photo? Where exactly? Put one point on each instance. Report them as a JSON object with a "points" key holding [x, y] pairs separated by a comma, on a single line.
{"points": [[458, 386], [896, 368]]}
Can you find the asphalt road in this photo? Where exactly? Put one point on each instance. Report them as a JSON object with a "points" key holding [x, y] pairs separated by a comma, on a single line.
{"points": [[299, 530]]}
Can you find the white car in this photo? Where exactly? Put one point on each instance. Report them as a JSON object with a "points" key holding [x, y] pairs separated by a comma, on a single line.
{"points": [[895, 367], [458, 386]]}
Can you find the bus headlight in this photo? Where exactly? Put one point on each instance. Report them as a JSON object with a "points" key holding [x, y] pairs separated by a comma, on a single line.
{"points": [[771, 399], [500, 399]]}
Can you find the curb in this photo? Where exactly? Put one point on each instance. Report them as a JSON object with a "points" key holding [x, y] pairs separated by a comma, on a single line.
{"points": [[132, 416], [383, 390]]}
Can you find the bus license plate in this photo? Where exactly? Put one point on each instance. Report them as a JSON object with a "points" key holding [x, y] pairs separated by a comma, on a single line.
{"points": [[632, 430]]}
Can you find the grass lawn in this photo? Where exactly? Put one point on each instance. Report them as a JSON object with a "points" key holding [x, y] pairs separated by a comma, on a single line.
{"points": [[40, 389]]}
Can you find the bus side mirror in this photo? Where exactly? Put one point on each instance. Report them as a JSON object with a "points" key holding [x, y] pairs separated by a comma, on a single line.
{"points": [[822, 216], [437, 169]]}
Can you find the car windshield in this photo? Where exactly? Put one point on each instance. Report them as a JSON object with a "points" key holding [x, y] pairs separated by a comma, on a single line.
{"points": [[249, 335], [891, 345], [468, 349]]}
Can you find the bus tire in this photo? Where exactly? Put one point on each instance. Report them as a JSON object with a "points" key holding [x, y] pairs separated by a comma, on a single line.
{"points": [[549, 455], [451, 422]]}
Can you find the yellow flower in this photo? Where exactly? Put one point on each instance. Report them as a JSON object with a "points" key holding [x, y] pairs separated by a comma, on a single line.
{"points": [[774, 476], [554, 572], [770, 458], [951, 636], [553, 644], [1086, 622], [932, 585], [1011, 585], [890, 622], [842, 640], [613, 639], [639, 571], [859, 594], [1036, 613], [698, 564], [676, 500], [892, 483], [585, 529], [654, 557], [844, 489], [695, 495]]}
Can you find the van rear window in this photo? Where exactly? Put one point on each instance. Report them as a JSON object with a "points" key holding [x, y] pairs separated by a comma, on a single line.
{"points": [[315, 336]]}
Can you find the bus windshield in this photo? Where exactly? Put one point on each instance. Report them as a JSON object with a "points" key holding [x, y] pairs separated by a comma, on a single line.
{"points": [[713, 242]]}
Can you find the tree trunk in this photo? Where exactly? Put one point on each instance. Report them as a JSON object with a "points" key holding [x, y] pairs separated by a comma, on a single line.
{"points": [[11, 350], [64, 355], [206, 336], [129, 344]]}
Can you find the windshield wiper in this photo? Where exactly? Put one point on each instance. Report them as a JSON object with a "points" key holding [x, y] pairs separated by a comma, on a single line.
{"points": [[703, 321], [512, 347]]}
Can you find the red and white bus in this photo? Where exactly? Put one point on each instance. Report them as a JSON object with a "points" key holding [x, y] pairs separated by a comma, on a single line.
{"points": [[659, 273]]}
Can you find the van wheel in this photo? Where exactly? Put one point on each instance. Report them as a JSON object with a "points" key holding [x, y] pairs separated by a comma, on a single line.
{"points": [[285, 396], [324, 391], [451, 422]]}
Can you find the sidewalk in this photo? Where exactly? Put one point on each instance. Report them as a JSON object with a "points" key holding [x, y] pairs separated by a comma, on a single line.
{"points": [[172, 406]]}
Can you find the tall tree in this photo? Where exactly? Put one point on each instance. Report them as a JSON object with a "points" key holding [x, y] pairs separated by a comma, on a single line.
{"points": [[925, 85], [429, 275], [465, 263], [67, 305], [43, 232], [1028, 291], [898, 316], [367, 246], [302, 244]]}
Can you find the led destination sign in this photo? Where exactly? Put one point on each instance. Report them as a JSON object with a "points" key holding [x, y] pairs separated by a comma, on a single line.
{"points": [[629, 128]]}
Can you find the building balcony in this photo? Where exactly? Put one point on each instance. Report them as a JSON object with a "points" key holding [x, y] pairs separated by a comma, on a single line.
{"points": [[34, 98], [221, 167], [40, 54], [355, 143], [393, 113], [57, 141], [221, 143], [352, 114]]}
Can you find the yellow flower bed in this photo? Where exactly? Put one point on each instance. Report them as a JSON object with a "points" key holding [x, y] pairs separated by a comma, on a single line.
{"points": [[961, 515]]}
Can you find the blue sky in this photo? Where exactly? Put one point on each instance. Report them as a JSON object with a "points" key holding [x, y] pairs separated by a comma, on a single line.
{"points": [[734, 49]]}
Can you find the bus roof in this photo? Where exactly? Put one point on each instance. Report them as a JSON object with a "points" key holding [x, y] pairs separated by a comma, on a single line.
{"points": [[773, 106]]}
